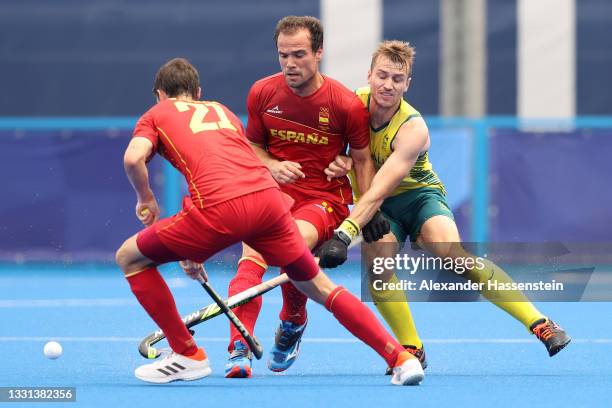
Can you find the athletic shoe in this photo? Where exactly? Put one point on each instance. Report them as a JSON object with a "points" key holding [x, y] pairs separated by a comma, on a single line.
{"points": [[240, 361], [174, 366], [286, 346], [407, 370], [552, 335], [419, 353]]}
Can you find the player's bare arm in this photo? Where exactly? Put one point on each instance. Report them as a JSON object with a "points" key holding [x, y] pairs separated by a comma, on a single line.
{"points": [[134, 162], [284, 172], [364, 167], [411, 139]]}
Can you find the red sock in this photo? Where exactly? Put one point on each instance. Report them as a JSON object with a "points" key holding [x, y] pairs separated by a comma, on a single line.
{"points": [[294, 304], [362, 323], [154, 295], [250, 273]]}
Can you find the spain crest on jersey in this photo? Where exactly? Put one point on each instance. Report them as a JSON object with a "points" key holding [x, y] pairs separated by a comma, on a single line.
{"points": [[324, 118]]}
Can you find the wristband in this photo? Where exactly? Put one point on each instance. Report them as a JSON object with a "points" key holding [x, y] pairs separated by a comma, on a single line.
{"points": [[349, 228]]}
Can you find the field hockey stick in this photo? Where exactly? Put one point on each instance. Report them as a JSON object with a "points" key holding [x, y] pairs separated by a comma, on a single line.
{"points": [[250, 339], [146, 349]]}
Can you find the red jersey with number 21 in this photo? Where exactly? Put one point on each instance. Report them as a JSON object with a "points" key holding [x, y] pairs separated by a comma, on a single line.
{"points": [[309, 130], [205, 141]]}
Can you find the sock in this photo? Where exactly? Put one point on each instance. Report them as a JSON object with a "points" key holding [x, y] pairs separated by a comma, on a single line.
{"points": [[250, 273], [513, 302], [361, 322], [393, 307], [294, 304], [155, 297], [199, 355]]}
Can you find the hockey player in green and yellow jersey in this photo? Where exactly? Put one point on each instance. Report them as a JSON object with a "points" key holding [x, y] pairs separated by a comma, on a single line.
{"points": [[407, 192]]}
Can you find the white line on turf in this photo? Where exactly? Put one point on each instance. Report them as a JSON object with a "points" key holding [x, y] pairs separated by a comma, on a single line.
{"points": [[95, 302], [80, 302], [28, 303], [305, 340]]}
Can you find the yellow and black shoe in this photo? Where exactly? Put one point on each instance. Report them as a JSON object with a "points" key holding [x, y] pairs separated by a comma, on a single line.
{"points": [[419, 353], [552, 335]]}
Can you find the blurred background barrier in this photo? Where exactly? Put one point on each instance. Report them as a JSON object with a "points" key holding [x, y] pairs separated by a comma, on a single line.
{"points": [[66, 197]]}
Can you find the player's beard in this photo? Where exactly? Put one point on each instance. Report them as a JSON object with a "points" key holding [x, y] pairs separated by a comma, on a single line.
{"points": [[296, 81]]}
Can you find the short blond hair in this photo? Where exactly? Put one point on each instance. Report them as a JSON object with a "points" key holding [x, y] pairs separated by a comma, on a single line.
{"points": [[398, 52]]}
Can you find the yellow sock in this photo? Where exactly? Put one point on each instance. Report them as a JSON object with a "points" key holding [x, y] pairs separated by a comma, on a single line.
{"points": [[514, 302], [393, 307]]}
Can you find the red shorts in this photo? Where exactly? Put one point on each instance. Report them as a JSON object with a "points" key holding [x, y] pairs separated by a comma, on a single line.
{"points": [[323, 214], [260, 219]]}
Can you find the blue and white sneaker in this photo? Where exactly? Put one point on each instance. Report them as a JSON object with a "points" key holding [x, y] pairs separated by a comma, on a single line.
{"points": [[239, 362], [286, 346]]}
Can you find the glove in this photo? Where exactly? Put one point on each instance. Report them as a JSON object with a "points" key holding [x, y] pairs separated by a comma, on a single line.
{"points": [[334, 252], [376, 228]]}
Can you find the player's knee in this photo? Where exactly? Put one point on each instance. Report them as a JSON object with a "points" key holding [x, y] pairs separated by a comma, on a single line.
{"points": [[308, 231], [122, 257], [388, 238], [374, 252], [247, 252]]}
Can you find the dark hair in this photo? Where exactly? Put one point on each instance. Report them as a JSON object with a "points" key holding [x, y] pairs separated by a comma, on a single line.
{"points": [[177, 77], [292, 24]]}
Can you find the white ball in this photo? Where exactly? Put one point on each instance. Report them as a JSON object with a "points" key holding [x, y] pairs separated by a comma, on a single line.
{"points": [[53, 350]]}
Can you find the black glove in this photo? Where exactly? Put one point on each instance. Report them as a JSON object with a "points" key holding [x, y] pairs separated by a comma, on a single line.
{"points": [[334, 252], [376, 228]]}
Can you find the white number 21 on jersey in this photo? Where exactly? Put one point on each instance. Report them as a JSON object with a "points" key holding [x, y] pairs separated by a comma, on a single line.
{"points": [[198, 121]]}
